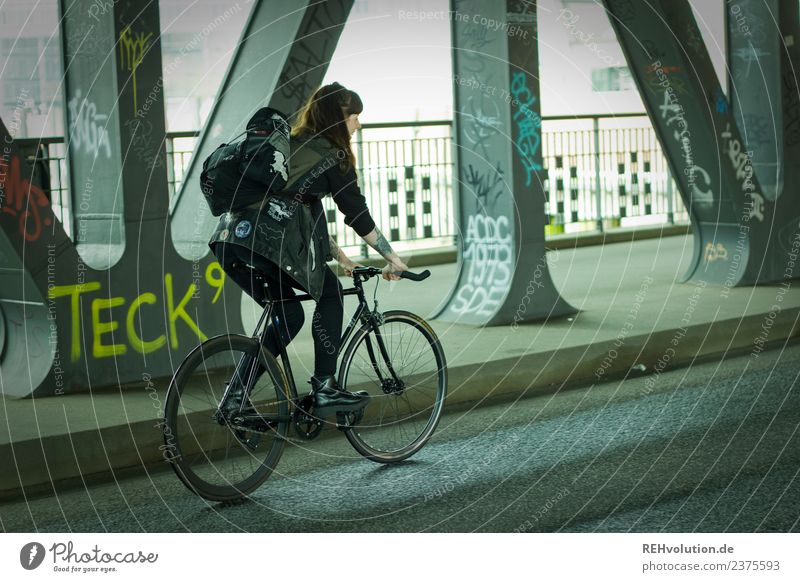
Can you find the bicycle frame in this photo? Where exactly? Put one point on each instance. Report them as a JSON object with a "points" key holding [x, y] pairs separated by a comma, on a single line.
{"points": [[269, 316]]}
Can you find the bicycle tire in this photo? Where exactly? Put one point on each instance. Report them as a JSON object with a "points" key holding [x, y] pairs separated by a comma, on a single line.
{"points": [[363, 436], [193, 440]]}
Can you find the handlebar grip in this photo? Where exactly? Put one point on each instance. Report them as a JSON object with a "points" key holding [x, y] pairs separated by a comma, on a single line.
{"points": [[415, 276]]}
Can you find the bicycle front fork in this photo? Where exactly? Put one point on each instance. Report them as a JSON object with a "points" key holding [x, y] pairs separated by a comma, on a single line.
{"points": [[234, 397], [393, 384]]}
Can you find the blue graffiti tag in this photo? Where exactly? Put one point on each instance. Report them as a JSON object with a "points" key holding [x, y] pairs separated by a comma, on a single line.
{"points": [[721, 103], [528, 122]]}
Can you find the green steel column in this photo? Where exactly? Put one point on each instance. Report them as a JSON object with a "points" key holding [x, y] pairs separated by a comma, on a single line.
{"points": [[697, 128], [281, 58], [503, 272], [120, 308], [762, 56]]}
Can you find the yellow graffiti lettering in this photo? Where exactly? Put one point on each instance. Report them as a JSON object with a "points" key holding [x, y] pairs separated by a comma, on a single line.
{"points": [[180, 311], [100, 350], [74, 292], [132, 50], [134, 323], [217, 281], [137, 343]]}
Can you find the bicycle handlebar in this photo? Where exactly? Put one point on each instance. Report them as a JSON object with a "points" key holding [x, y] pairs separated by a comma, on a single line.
{"points": [[415, 276], [367, 272]]}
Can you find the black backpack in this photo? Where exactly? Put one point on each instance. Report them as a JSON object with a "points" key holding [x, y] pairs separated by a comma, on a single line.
{"points": [[242, 173]]}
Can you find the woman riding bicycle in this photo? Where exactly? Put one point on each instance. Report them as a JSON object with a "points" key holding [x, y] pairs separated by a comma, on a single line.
{"points": [[321, 163]]}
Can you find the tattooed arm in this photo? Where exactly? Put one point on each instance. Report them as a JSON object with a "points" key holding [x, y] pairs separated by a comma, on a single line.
{"points": [[342, 258], [351, 202], [395, 265]]}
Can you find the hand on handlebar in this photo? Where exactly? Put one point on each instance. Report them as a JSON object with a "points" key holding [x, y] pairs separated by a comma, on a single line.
{"points": [[391, 272], [348, 267]]}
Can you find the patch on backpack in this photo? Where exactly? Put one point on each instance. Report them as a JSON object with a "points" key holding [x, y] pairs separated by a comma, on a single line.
{"points": [[279, 165], [269, 233], [280, 209], [224, 234], [243, 229]]}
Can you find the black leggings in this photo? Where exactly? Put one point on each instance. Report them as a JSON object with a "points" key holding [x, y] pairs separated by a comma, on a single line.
{"points": [[326, 326]]}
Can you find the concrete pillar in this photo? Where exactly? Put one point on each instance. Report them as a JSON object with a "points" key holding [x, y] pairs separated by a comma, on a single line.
{"points": [[503, 273]]}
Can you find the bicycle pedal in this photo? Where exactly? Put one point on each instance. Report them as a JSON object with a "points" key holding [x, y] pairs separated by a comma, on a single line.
{"points": [[344, 420]]}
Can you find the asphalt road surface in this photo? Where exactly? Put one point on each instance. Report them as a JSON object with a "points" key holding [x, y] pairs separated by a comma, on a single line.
{"points": [[712, 448]]}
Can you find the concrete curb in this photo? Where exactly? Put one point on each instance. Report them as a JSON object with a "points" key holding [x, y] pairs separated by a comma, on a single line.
{"points": [[89, 456]]}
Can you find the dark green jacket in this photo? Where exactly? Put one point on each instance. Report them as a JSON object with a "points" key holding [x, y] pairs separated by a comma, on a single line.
{"points": [[289, 228]]}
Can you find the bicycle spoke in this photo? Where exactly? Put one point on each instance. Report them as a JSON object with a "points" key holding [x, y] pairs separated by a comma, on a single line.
{"points": [[401, 416], [217, 460]]}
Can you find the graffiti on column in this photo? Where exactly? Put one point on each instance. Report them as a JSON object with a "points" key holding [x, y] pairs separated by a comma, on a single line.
{"points": [[487, 239], [791, 108], [483, 115], [678, 84], [742, 162], [487, 189], [489, 254], [715, 252], [749, 22], [22, 201], [672, 111], [476, 40], [87, 129], [133, 47], [143, 144], [295, 82], [625, 12], [693, 39], [758, 129], [528, 124], [750, 55], [85, 40], [104, 338]]}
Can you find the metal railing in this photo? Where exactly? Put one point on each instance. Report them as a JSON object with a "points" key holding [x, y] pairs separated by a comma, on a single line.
{"points": [[603, 177], [407, 181], [47, 163], [180, 147], [598, 175]]}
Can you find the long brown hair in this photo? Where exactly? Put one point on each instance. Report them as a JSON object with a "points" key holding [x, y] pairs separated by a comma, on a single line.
{"points": [[325, 114]]}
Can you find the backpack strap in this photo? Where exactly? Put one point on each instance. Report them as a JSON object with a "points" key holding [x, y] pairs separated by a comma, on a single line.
{"points": [[310, 160]]}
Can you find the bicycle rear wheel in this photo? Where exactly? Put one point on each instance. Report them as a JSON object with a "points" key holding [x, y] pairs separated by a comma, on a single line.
{"points": [[403, 412], [215, 459]]}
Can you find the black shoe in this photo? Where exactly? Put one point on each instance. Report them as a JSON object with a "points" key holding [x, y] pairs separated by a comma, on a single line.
{"points": [[330, 398]]}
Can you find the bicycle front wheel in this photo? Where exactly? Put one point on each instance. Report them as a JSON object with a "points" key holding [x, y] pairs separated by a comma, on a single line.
{"points": [[402, 367], [214, 458]]}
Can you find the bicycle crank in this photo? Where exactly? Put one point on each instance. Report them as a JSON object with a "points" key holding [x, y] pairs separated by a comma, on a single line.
{"points": [[305, 425]]}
